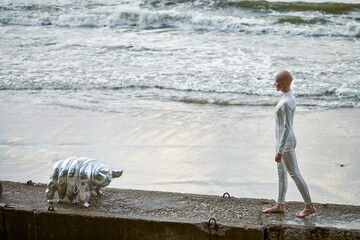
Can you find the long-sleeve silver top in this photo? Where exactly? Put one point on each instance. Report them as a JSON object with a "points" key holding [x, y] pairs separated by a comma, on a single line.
{"points": [[284, 118]]}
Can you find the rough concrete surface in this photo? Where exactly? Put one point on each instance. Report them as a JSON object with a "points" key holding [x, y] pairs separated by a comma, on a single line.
{"points": [[135, 214]]}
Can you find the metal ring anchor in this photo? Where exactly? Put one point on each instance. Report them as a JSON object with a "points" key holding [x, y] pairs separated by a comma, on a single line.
{"points": [[51, 209], [75, 189], [226, 194], [30, 182], [214, 224]]}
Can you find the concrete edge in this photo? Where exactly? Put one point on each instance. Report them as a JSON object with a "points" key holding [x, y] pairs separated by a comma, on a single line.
{"points": [[2, 221], [40, 224], [306, 232], [19, 223]]}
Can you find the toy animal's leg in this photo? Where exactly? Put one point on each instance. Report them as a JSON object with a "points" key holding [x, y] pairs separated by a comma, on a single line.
{"points": [[61, 190], [50, 190], [98, 191], [71, 193], [84, 194]]}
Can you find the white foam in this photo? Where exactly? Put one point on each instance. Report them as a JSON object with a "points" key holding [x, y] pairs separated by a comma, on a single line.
{"points": [[127, 48], [132, 14], [348, 93]]}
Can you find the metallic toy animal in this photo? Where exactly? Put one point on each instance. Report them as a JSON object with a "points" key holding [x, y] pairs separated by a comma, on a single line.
{"points": [[76, 177]]}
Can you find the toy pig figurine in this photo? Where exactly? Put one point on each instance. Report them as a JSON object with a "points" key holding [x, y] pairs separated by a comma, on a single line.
{"points": [[77, 177]]}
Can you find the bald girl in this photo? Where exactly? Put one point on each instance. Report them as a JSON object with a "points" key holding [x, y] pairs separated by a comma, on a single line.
{"points": [[285, 147]]}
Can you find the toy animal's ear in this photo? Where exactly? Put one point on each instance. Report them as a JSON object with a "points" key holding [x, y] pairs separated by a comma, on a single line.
{"points": [[116, 172], [104, 171]]}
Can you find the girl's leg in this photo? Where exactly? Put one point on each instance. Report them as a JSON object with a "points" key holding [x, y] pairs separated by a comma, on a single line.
{"points": [[279, 207], [283, 182], [289, 159]]}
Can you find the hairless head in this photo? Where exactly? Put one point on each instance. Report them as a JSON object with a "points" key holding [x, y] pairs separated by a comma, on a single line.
{"points": [[284, 76], [283, 81]]}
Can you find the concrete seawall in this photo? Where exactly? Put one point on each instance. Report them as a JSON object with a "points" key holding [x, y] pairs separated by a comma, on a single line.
{"points": [[134, 214]]}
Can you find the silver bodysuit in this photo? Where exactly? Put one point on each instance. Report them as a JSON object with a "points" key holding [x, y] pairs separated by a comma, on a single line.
{"points": [[285, 144], [284, 118]]}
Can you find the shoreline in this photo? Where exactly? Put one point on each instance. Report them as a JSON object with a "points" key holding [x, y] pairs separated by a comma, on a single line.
{"points": [[172, 146]]}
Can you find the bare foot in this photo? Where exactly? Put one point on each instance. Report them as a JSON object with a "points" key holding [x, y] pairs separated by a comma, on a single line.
{"points": [[277, 208], [309, 209]]}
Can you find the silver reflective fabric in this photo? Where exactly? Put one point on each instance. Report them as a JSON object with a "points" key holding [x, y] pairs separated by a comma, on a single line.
{"points": [[76, 177], [284, 119]]}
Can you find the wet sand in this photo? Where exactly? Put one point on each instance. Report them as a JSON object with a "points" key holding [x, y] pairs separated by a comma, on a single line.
{"points": [[180, 147]]}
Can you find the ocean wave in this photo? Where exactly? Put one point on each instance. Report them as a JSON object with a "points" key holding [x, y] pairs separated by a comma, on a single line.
{"points": [[333, 97], [325, 7], [30, 7], [204, 101], [318, 93], [224, 103], [300, 20], [281, 6], [305, 102], [144, 18]]}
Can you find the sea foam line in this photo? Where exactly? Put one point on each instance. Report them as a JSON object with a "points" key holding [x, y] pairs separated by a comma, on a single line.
{"points": [[144, 18]]}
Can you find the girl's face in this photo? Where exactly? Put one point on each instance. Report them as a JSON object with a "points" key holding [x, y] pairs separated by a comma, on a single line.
{"points": [[279, 85]]}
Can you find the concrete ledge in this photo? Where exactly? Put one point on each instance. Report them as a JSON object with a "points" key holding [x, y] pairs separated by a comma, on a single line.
{"points": [[19, 224], [68, 226], [2, 220], [301, 233], [134, 214], [27, 224]]}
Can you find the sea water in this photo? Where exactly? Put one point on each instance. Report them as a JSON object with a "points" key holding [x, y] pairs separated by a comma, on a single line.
{"points": [[211, 56], [223, 52]]}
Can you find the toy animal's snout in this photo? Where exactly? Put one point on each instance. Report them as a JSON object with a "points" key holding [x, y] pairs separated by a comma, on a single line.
{"points": [[116, 172]]}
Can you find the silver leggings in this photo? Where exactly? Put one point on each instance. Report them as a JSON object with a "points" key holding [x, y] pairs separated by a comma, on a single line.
{"points": [[289, 164]]}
